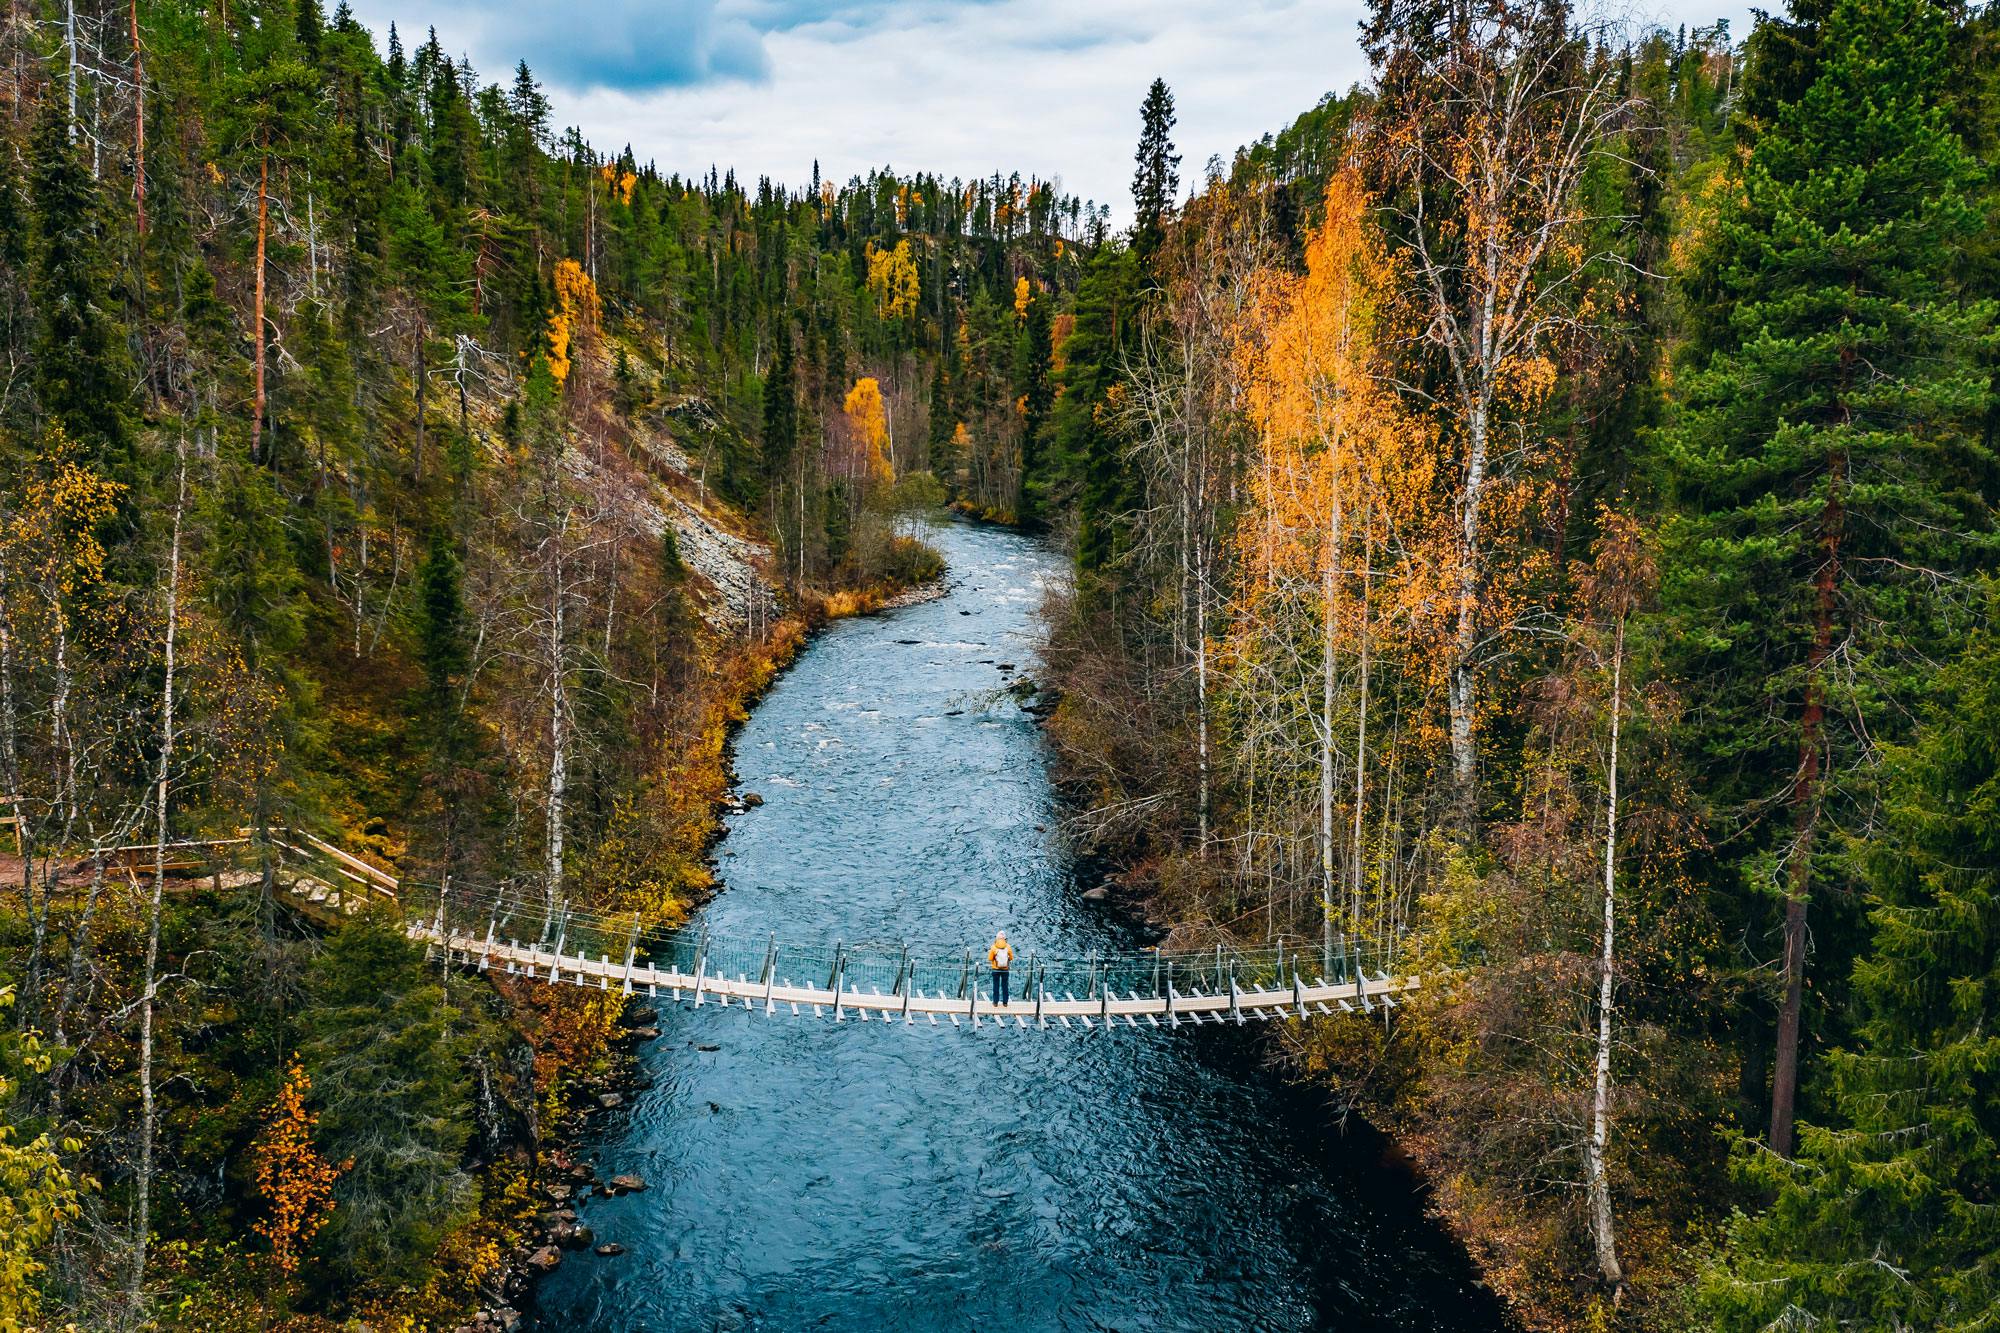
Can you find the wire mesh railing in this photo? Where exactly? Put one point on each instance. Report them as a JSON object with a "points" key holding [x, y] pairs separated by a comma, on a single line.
{"points": [[518, 917]]}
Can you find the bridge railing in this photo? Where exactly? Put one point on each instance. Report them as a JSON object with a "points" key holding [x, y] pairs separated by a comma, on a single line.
{"points": [[520, 915]]}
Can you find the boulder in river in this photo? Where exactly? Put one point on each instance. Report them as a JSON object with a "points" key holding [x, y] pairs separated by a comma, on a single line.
{"points": [[545, 1259], [627, 1183], [607, 1100], [751, 800], [609, 1248], [642, 1016]]}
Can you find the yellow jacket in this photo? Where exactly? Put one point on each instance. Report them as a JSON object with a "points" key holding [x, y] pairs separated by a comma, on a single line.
{"points": [[1001, 956]]}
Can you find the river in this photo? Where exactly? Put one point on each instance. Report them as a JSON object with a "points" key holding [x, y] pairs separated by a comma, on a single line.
{"points": [[872, 1176]]}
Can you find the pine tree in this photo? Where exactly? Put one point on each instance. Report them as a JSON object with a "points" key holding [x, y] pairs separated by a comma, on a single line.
{"points": [[1828, 456], [1156, 184], [1888, 1219]]}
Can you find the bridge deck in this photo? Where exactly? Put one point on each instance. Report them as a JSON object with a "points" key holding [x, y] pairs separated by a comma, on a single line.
{"points": [[911, 1004]]}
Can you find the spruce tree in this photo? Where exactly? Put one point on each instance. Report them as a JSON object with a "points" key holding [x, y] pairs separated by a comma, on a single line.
{"points": [[1156, 183], [781, 408], [1828, 463], [1890, 1218], [1087, 461], [80, 372], [1034, 381]]}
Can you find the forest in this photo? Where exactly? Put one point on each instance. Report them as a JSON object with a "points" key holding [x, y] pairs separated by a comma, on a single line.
{"points": [[1535, 511]]}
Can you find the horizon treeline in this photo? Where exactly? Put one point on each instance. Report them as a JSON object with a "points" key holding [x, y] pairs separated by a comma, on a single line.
{"points": [[1536, 514]]}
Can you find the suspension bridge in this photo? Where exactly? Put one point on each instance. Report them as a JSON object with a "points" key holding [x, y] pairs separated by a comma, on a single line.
{"points": [[522, 934]]}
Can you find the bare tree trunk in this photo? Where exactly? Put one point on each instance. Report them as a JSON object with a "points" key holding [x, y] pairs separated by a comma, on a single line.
{"points": [[69, 49], [1806, 802], [417, 383], [138, 126], [1361, 718], [257, 304], [1600, 1106], [149, 992], [1463, 687], [1330, 627], [558, 724]]}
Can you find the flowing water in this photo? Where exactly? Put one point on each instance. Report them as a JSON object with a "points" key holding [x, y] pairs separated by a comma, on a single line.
{"points": [[873, 1176]]}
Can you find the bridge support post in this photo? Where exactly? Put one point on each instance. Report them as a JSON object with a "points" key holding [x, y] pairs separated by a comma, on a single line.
{"points": [[562, 933], [1298, 992], [770, 972], [1235, 1008], [700, 963], [492, 924], [631, 952], [833, 982], [1172, 1021], [1040, 985]]}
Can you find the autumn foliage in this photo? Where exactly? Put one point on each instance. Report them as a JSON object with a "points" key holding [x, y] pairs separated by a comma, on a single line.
{"points": [[575, 317], [866, 418], [295, 1182]]}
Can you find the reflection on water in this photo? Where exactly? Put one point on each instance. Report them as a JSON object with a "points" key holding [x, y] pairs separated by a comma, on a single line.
{"points": [[873, 1176]]}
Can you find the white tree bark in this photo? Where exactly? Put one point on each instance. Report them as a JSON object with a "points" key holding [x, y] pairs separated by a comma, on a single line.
{"points": [[1600, 1109], [149, 986]]}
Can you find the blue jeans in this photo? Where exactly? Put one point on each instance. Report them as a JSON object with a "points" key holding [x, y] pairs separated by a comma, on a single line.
{"points": [[999, 985]]}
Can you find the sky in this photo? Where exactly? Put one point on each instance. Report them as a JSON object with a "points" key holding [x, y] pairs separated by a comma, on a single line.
{"points": [[1049, 88]]}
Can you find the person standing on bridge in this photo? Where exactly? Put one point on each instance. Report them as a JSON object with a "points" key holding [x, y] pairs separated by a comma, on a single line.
{"points": [[1000, 957]]}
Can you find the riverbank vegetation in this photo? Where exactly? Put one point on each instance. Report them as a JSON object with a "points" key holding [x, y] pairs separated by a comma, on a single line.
{"points": [[380, 465], [1536, 513]]}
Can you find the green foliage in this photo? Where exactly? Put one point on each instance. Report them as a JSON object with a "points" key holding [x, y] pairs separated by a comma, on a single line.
{"points": [[80, 370], [1826, 462], [1887, 1218], [386, 1050], [38, 1193], [1156, 183], [1087, 463]]}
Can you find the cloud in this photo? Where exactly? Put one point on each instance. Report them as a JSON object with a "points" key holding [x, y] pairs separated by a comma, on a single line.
{"points": [[631, 45], [958, 87]]}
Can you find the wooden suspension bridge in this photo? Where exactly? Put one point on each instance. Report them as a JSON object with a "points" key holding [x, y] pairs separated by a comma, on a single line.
{"points": [[526, 936]]}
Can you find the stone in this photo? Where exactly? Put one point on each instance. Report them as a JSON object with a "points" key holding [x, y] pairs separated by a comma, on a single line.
{"points": [[627, 1183], [708, 1046], [507, 1321], [545, 1259], [642, 1016], [559, 1193], [610, 1099], [645, 1034], [609, 1248], [751, 800], [579, 1172], [1098, 894]]}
